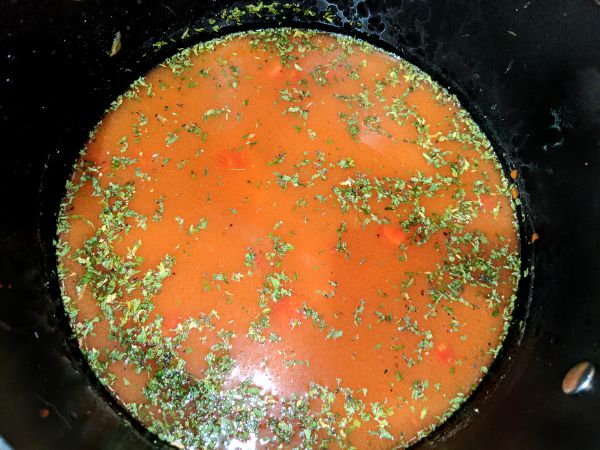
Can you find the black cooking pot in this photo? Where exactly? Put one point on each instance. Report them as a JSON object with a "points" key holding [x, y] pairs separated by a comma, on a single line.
{"points": [[528, 71]]}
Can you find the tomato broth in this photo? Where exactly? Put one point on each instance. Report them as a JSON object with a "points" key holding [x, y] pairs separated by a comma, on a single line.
{"points": [[288, 238]]}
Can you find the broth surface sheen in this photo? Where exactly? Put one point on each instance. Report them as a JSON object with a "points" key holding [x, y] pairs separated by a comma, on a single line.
{"points": [[288, 238]]}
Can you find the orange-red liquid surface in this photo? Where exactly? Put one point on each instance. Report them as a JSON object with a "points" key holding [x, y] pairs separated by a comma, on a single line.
{"points": [[240, 162]]}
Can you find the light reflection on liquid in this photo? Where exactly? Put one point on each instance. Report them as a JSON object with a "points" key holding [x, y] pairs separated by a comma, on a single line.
{"points": [[264, 380], [258, 376], [236, 444]]}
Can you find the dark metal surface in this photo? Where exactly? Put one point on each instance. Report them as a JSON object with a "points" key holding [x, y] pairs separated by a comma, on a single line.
{"points": [[529, 71]]}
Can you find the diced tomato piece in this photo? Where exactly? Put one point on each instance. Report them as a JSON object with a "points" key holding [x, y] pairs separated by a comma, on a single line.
{"points": [[376, 141], [284, 310], [394, 234], [145, 161], [170, 322], [261, 261], [275, 70], [295, 75], [231, 160], [444, 353], [488, 202]]}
